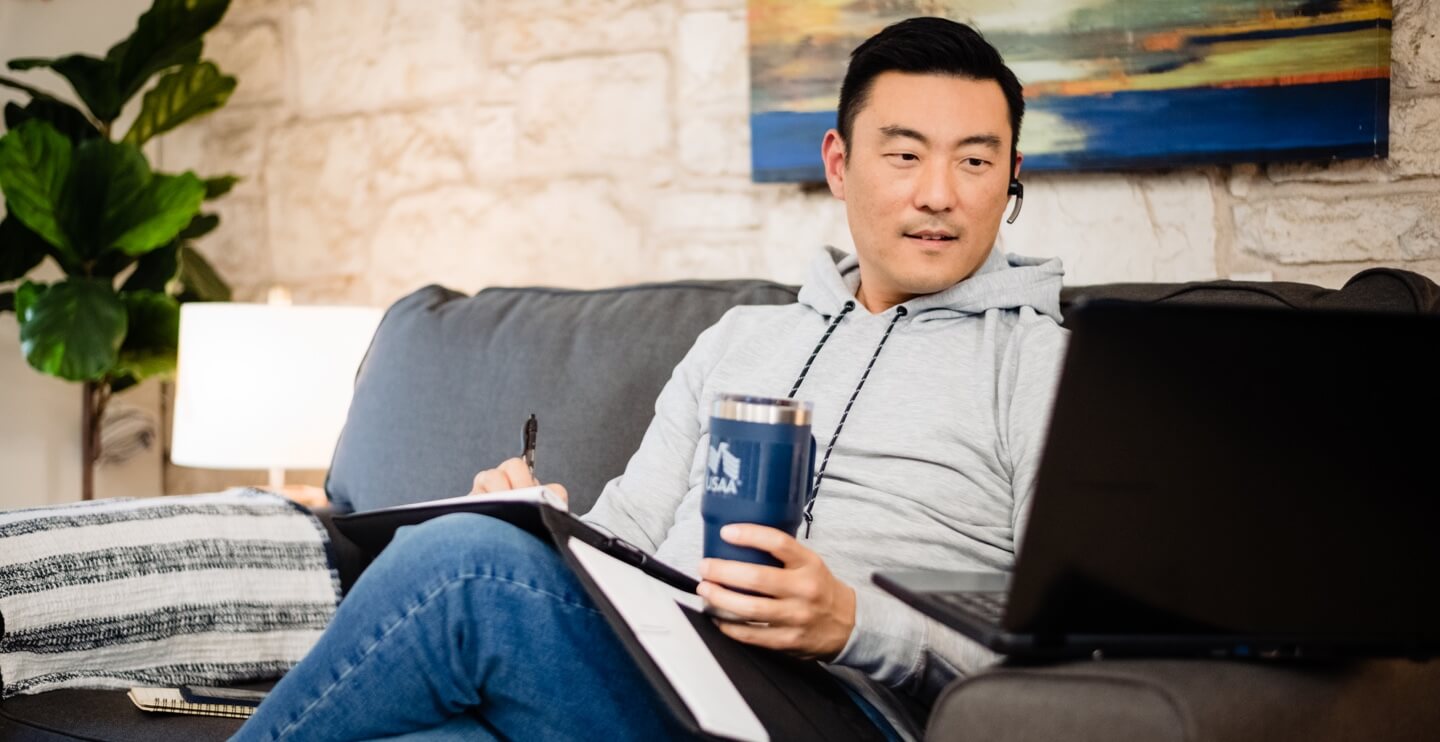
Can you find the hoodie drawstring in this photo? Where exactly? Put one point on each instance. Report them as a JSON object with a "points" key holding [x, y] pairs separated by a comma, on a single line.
{"points": [[849, 305], [820, 473]]}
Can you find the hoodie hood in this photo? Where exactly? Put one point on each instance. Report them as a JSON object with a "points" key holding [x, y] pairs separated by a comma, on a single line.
{"points": [[1003, 281]]}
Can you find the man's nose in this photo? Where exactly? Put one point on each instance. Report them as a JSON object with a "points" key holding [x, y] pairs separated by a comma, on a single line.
{"points": [[935, 191]]}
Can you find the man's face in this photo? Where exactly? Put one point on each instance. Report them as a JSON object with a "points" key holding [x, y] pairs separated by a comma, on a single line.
{"points": [[924, 179]]}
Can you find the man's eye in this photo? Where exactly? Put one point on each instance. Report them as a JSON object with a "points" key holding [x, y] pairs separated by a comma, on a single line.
{"points": [[904, 156], [975, 162]]}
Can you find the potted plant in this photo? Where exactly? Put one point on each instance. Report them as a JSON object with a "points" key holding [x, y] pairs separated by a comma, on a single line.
{"points": [[82, 194]]}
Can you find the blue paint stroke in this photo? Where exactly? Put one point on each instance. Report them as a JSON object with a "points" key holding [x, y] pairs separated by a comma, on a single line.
{"points": [[1148, 129]]}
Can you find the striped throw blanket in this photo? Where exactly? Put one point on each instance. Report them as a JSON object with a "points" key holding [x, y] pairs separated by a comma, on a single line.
{"points": [[202, 589]]}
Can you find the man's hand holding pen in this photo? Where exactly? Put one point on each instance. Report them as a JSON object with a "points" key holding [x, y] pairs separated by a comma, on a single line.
{"points": [[511, 474], [516, 473]]}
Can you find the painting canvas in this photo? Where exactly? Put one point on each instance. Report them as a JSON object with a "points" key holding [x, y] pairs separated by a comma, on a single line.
{"points": [[1109, 84]]}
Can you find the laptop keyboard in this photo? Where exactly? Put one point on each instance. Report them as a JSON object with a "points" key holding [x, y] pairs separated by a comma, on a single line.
{"points": [[990, 606]]}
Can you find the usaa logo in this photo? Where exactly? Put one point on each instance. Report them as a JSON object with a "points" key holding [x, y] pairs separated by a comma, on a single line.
{"points": [[724, 470]]}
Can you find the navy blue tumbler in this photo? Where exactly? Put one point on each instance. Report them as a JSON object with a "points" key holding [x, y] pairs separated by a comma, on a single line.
{"points": [[759, 470]]}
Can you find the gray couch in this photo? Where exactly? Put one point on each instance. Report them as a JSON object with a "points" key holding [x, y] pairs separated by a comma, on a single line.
{"points": [[449, 379]]}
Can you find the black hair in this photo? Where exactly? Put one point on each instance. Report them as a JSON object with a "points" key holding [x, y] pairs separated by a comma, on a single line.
{"points": [[927, 46]]}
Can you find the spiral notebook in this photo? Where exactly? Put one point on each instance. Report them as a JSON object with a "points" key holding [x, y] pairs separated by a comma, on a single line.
{"points": [[169, 700]]}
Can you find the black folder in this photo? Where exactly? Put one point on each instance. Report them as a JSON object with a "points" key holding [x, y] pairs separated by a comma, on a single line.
{"points": [[794, 699]]}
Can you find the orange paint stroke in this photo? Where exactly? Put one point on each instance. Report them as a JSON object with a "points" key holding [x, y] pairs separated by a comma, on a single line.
{"points": [[1308, 79], [1167, 41], [1120, 84], [1268, 21], [1176, 38]]}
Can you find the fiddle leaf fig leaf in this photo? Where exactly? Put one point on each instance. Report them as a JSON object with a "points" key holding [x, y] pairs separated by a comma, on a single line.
{"points": [[66, 119], [153, 334], [26, 294], [28, 63], [72, 329], [200, 226], [168, 35], [34, 163], [182, 94], [93, 80], [33, 92], [219, 186], [166, 207], [114, 201], [155, 269], [122, 382], [20, 249], [105, 178], [200, 280]]}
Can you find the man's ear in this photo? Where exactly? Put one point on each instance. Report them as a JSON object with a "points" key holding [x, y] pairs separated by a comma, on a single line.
{"points": [[1019, 160], [832, 152]]}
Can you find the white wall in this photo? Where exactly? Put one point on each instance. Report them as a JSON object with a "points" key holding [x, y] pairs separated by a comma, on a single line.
{"points": [[40, 415], [39, 430]]}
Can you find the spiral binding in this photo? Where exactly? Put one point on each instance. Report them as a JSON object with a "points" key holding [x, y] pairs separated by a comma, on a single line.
{"points": [[204, 709], [181, 706]]}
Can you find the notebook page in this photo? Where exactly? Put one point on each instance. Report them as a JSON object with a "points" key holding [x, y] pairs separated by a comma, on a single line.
{"points": [[651, 612], [537, 495]]}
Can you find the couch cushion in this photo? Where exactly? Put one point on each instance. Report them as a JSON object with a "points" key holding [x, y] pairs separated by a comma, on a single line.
{"points": [[449, 381], [1374, 290], [1193, 701]]}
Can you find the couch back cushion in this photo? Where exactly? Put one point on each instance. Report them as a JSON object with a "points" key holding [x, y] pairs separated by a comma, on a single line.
{"points": [[1374, 290], [449, 381]]}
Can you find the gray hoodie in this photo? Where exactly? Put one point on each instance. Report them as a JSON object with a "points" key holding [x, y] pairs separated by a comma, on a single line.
{"points": [[933, 467]]}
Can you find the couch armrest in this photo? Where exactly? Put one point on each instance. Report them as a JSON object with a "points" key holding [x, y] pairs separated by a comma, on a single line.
{"points": [[349, 559], [1194, 701]]}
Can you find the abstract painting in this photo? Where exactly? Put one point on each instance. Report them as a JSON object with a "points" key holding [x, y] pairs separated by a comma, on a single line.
{"points": [[1109, 84]]}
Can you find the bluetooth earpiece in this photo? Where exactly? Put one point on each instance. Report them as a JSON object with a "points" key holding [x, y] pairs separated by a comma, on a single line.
{"points": [[1017, 189]]}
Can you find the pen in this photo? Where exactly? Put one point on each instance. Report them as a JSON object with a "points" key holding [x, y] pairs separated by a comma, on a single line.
{"points": [[531, 428]]}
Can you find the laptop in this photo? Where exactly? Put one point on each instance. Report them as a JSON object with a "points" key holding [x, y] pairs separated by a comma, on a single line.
{"points": [[1224, 482]]}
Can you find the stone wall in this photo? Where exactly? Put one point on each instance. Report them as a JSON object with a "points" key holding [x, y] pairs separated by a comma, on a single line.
{"points": [[595, 142]]}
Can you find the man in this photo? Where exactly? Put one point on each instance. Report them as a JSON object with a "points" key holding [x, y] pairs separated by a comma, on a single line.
{"points": [[930, 359]]}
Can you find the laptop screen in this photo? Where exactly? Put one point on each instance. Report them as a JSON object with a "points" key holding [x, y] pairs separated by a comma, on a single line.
{"points": [[1238, 471]]}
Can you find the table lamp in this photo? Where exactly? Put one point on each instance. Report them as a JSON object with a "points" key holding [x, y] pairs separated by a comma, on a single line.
{"points": [[265, 386]]}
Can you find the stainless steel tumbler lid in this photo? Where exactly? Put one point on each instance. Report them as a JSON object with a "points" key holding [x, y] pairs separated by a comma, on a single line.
{"points": [[746, 408]]}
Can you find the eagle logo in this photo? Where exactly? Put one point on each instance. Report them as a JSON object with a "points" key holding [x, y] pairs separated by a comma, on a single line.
{"points": [[724, 469]]}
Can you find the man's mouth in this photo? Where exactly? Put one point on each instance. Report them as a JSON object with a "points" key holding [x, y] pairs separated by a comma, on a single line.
{"points": [[929, 235]]}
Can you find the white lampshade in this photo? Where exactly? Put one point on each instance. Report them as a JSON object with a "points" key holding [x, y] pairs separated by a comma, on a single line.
{"points": [[262, 386]]}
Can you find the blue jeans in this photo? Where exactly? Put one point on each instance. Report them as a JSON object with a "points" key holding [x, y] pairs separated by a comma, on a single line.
{"points": [[465, 628]]}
